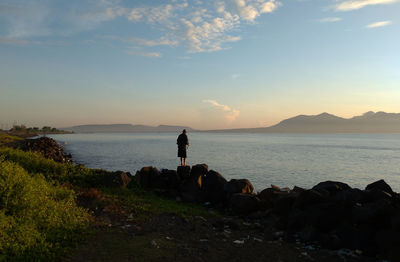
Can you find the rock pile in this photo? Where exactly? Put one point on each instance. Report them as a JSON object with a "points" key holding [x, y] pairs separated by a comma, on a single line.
{"points": [[48, 147], [196, 184], [332, 214]]}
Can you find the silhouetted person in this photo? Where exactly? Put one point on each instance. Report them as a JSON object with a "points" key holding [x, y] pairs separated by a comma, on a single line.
{"points": [[182, 142]]}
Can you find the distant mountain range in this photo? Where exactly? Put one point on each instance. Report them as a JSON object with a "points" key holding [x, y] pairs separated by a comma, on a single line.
{"points": [[369, 122], [125, 128]]}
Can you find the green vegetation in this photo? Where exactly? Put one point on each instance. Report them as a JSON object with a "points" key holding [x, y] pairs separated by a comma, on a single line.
{"points": [[143, 204], [8, 140], [37, 219], [22, 130]]}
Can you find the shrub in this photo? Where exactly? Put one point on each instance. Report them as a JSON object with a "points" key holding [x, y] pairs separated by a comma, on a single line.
{"points": [[37, 219], [35, 163]]}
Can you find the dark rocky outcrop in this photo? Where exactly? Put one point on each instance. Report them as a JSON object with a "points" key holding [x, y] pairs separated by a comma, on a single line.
{"points": [[48, 147], [244, 203], [380, 185], [239, 186], [330, 213], [118, 179], [213, 189], [147, 177]]}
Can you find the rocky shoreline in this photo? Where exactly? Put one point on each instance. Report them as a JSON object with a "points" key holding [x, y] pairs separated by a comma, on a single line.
{"points": [[330, 215]]}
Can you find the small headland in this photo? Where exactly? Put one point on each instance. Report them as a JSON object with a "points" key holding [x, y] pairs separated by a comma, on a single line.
{"points": [[188, 214], [25, 132]]}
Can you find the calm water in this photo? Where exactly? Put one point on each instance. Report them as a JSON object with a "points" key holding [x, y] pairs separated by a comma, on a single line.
{"points": [[264, 159]]}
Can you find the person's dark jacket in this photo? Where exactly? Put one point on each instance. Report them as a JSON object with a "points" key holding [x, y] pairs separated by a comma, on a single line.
{"points": [[182, 140]]}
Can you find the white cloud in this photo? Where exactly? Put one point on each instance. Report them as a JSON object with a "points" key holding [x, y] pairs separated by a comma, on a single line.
{"points": [[202, 26], [230, 113], [146, 54], [249, 10], [330, 19], [358, 4], [378, 24], [147, 42]]}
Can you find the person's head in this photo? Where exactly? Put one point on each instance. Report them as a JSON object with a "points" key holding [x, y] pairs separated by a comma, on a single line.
{"points": [[184, 131]]}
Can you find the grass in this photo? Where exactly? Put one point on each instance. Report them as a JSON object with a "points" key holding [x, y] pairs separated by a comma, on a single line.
{"points": [[7, 140], [144, 204]]}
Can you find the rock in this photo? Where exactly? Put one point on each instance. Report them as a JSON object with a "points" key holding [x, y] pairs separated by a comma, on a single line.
{"points": [[352, 195], [283, 205], [380, 185], [310, 197], [332, 187], [147, 176], [297, 189], [308, 234], [172, 181], [388, 244], [198, 172], [268, 194], [242, 186], [183, 172], [47, 147], [244, 203], [190, 191], [119, 179], [213, 188], [267, 198]]}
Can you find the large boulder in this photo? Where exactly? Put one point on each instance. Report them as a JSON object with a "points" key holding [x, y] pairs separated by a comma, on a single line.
{"points": [[310, 197], [190, 191], [242, 186], [119, 179], [213, 187], [147, 176], [268, 197], [332, 187], [183, 172], [198, 172], [244, 204], [380, 185], [48, 147]]}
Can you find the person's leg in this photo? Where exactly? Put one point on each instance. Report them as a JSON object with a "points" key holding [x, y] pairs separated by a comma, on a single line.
{"points": [[181, 161], [184, 161]]}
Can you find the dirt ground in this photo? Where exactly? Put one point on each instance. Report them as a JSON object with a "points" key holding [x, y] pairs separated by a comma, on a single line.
{"points": [[117, 236]]}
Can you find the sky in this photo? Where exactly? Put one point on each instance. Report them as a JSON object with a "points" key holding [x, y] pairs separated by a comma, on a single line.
{"points": [[203, 64]]}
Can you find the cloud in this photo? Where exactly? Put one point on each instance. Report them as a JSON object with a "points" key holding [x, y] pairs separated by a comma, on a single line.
{"points": [[202, 26], [330, 19], [250, 10], [358, 4], [378, 24], [13, 41], [146, 54], [230, 113], [147, 42]]}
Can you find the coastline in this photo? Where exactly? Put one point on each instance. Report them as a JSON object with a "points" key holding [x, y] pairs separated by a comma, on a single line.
{"points": [[253, 224]]}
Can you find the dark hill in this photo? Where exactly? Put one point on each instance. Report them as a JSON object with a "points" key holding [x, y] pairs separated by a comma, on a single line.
{"points": [[125, 128], [369, 122]]}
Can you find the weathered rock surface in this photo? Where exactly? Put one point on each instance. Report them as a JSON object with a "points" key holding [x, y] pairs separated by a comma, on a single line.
{"points": [[118, 179], [214, 188], [48, 147], [244, 203]]}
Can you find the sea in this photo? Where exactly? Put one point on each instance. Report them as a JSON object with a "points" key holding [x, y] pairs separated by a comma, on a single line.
{"points": [[283, 160]]}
